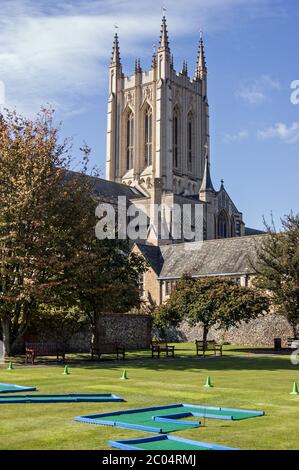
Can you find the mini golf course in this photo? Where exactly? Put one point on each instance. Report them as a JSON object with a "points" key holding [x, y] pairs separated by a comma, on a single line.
{"points": [[165, 442], [12, 388], [163, 419], [71, 398], [248, 382]]}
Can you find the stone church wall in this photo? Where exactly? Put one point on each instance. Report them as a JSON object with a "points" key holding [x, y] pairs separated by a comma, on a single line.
{"points": [[258, 332]]}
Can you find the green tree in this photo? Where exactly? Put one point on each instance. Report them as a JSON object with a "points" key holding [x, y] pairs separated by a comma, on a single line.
{"points": [[43, 216], [277, 268], [105, 279], [48, 250], [210, 302], [58, 323]]}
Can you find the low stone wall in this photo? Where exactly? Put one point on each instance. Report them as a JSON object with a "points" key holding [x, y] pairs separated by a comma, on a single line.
{"points": [[131, 330], [258, 332]]}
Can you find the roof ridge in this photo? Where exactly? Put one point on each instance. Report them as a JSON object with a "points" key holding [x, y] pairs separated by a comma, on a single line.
{"points": [[214, 240]]}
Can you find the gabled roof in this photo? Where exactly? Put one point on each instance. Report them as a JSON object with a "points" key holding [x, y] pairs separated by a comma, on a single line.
{"points": [[226, 256], [153, 256]]}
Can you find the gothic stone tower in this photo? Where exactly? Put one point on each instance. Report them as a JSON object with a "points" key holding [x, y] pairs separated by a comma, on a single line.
{"points": [[158, 136]]}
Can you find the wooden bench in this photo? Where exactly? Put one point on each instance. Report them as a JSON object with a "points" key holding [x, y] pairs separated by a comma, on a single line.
{"points": [[107, 348], [209, 345], [159, 347], [33, 350]]}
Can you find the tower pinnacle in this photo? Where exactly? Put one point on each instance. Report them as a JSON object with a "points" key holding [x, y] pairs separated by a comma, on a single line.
{"points": [[201, 67], [115, 58], [164, 42]]}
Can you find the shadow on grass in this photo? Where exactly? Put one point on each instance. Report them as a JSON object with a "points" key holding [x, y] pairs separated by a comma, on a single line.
{"points": [[142, 359]]}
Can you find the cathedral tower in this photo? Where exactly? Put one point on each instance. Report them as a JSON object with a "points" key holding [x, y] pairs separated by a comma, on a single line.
{"points": [[158, 122], [158, 137]]}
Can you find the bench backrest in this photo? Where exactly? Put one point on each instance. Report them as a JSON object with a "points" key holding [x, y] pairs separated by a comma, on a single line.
{"points": [[41, 348], [159, 343], [107, 347], [200, 342]]}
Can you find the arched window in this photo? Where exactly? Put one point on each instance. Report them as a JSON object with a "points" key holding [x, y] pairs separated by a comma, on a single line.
{"points": [[222, 224], [190, 142], [148, 134], [130, 140], [175, 138]]}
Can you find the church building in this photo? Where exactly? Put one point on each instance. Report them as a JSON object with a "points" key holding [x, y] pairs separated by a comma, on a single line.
{"points": [[158, 139], [158, 154]]}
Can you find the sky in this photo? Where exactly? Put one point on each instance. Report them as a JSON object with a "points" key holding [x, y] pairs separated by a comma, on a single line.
{"points": [[57, 53]]}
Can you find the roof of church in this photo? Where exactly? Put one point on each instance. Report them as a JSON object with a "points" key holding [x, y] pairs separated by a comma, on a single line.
{"points": [[110, 189], [226, 256], [253, 231]]}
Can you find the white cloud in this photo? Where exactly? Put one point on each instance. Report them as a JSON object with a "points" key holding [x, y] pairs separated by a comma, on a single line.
{"points": [[258, 91], [288, 134], [236, 137], [57, 50]]}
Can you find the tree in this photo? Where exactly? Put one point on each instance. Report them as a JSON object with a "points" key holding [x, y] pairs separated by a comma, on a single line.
{"points": [[43, 216], [58, 323], [210, 302], [105, 279], [277, 268], [48, 250]]}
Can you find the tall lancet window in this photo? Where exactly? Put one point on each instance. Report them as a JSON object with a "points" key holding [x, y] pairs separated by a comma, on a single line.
{"points": [[190, 142], [175, 138], [130, 140], [222, 225], [148, 134]]}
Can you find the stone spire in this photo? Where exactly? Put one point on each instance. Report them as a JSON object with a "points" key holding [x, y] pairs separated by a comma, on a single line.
{"points": [[201, 67], [206, 184], [138, 68], [185, 69], [164, 42], [115, 58]]}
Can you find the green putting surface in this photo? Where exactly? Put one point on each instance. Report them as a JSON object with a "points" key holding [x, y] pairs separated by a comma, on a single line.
{"points": [[234, 414], [163, 442], [167, 444], [145, 418], [71, 398], [165, 419]]}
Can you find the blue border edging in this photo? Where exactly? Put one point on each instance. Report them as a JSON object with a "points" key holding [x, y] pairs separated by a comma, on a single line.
{"points": [[74, 398], [20, 388], [129, 444]]}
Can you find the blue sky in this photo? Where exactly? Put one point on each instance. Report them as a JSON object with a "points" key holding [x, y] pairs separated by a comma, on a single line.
{"points": [[58, 52]]}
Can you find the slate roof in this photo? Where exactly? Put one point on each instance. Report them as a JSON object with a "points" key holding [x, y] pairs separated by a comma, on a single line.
{"points": [[109, 189], [253, 231], [153, 255], [227, 256]]}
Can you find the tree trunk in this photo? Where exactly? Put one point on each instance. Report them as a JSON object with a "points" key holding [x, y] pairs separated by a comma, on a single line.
{"points": [[205, 334], [295, 329], [5, 324], [94, 329]]}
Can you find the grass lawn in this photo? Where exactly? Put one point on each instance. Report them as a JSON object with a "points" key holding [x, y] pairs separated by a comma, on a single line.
{"points": [[242, 380]]}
